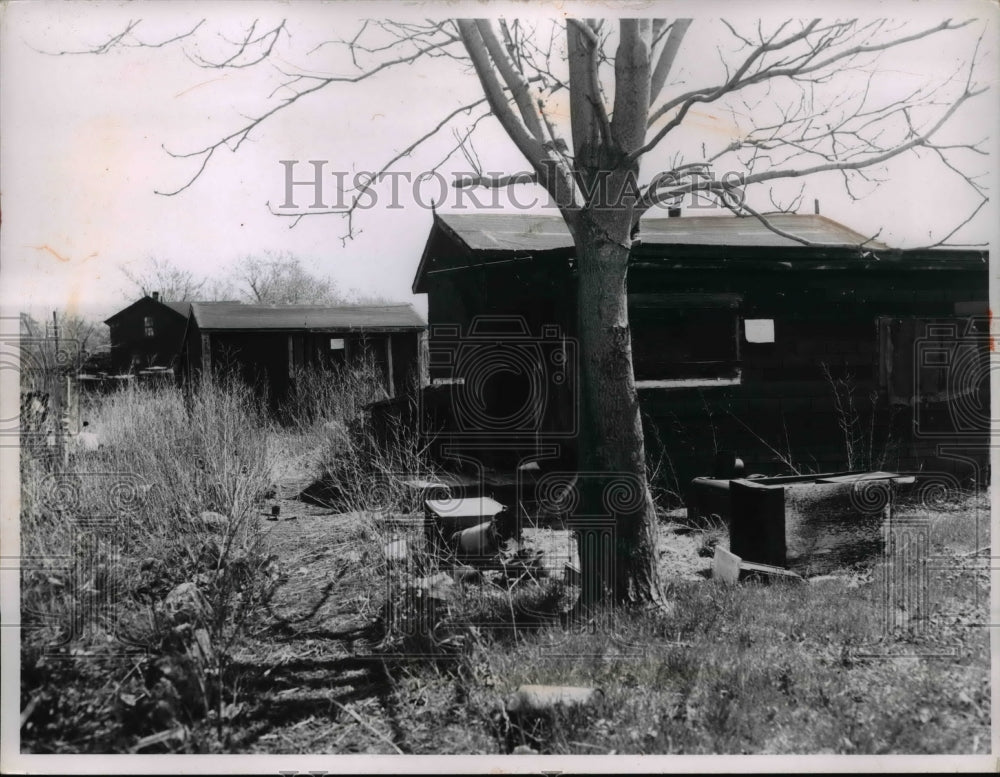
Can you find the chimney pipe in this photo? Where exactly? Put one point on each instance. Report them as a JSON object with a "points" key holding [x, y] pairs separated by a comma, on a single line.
{"points": [[816, 206], [156, 296], [674, 211]]}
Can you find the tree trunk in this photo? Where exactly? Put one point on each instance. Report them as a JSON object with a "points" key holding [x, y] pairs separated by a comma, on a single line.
{"points": [[621, 562]]}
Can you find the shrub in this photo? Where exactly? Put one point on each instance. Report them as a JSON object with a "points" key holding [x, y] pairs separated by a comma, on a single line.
{"points": [[148, 549]]}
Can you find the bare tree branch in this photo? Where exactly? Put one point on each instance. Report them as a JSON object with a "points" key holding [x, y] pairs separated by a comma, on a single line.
{"points": [[122, 39], [514, 80], [235, 139], [667, 56], [798, 66]]}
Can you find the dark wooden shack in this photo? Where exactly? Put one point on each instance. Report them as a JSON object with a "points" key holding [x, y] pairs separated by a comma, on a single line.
{"points": [[813, 357], [266, 344], [147, 333]]}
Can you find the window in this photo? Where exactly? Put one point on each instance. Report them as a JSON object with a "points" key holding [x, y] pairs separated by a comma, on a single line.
{"points": [[336, 343], [685, 340], [147, 323]]}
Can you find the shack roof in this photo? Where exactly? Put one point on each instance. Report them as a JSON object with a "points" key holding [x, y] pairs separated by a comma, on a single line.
{"points": [[233, 316], [526, 232], [464, 240], [180, 307], [183, 306]]}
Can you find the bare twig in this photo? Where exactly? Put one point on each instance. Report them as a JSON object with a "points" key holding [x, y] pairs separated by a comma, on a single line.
{"points": [[368, 726]]}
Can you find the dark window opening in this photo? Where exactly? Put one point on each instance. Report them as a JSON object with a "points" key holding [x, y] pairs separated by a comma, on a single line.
{"points": [[684, 339]]}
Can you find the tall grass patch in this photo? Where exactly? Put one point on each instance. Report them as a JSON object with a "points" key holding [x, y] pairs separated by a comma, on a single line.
{"points": [[146, 555]]}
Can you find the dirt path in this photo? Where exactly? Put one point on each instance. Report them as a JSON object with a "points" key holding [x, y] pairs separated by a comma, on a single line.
{"points": [[311, 684]]}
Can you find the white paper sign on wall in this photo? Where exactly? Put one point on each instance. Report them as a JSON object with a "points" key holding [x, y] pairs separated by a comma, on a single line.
{"points": [[759, 330]]}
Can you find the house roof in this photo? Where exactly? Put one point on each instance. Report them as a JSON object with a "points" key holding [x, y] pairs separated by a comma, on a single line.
{"points": [[526, 232], [231, 316]]}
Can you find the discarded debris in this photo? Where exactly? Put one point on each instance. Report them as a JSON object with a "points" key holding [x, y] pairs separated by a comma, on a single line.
{"points": [[730, 569], [543, 698], [479, 540], [439, 586], [88, 441], [463, 573], [178, 734], [397, 551], [445, 517], [211, 520], [750, 570], [530, 713], [29, 709], [185, 604], [809, 523]]}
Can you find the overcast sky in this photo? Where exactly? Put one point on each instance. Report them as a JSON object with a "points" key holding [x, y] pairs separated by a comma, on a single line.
{"points": [[83, 141]]}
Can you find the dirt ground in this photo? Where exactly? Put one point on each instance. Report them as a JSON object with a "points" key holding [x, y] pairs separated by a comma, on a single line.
{"points": [[330, 593], [313, 686]]}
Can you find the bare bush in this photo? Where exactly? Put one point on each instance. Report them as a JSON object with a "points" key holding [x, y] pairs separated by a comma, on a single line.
{"points": [[165, 555]]}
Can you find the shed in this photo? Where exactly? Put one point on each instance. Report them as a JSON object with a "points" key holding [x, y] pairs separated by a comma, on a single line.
{"points": [[743, 339], [265, 344], [147, 333]]}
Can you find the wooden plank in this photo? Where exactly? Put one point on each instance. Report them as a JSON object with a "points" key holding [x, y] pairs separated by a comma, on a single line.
{"points": [[749, 569], [388, 360], [757, 523], [206, 354], [674, 301], [854, 478]]}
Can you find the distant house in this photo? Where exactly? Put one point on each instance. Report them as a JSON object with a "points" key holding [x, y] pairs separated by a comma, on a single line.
{"points": [[147, 334], [265, 344], [739, 337]]}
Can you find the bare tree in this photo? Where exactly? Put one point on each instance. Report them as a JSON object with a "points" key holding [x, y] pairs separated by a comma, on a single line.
{"points": [[282, 280], [59, 346], [800, 92], [172, 283], [271, 279]]}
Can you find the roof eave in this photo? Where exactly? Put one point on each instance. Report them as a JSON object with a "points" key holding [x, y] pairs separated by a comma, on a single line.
{"points": [[318, 330]]}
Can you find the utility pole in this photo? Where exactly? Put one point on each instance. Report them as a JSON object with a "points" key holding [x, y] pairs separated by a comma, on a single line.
{"points": [[55, 387]]}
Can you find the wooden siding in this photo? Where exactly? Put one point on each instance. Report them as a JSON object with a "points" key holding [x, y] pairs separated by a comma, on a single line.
{"points": [[130, 345], [688, 309]]}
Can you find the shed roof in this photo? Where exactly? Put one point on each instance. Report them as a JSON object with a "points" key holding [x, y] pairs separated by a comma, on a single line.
{"points": [[305, 317], [529, 232]]}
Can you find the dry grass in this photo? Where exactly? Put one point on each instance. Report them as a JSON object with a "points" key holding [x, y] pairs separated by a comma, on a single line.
{"points": [[319, 643], [751, 669], [111, 535]]}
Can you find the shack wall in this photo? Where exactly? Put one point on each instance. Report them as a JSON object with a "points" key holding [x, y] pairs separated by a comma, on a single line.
{"points": [[782, 410]]}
